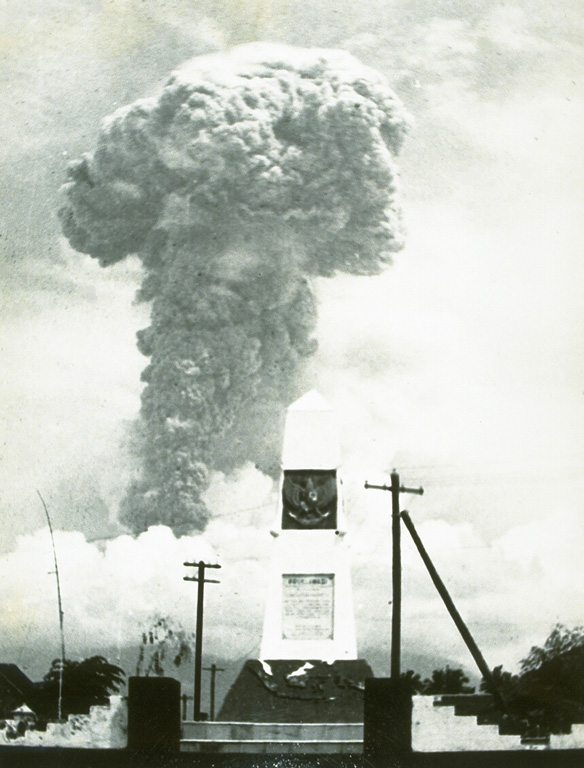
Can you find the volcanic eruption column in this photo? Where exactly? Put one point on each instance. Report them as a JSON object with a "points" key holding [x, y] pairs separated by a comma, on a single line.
{"points": [[250, 173]]}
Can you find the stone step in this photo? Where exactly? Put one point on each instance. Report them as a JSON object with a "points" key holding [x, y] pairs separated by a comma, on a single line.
{"points": [[467, 704], [483, 707], [274, 746], [241, 731]]}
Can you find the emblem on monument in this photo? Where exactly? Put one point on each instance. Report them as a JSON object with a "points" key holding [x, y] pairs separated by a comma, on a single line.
{"points": [[309, 499]]}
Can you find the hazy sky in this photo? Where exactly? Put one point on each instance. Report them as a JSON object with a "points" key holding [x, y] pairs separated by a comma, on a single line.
{"points": [[461, 365]]}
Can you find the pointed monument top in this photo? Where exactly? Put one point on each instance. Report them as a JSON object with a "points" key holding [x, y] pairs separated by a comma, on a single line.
{"points": [[311, 439], [311, 401]]}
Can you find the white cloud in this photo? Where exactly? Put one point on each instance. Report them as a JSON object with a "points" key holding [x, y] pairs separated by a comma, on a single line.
{"points": [[509, 28], [71, 381], [106, 592], [510, 592], [111, 589], [524, 581]]}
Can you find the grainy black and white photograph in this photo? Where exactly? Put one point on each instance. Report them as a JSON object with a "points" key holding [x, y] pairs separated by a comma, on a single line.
{"points": [[292, 392]]}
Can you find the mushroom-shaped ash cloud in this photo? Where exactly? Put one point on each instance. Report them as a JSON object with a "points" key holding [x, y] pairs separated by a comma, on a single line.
{"points": [[250, 173]]}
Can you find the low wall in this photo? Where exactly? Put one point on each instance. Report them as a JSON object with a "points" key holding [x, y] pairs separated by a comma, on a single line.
{"points": [[105, 727], [272, 738], [436, 728], [290, 731]]}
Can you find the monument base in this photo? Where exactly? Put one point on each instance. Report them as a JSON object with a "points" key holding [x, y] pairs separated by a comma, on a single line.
{"points": [[297, 691]]}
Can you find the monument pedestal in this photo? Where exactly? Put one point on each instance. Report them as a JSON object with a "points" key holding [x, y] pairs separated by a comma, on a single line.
{"points": [[297, 691]]}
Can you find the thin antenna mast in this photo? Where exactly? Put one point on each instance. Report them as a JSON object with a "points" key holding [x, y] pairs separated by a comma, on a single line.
{"points": [[60, 608]]}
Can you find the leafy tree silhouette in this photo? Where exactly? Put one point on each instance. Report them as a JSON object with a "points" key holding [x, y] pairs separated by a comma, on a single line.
{"points": [[412, 682], [503, 681], [85, 684], [548, 693], [447, 680]]}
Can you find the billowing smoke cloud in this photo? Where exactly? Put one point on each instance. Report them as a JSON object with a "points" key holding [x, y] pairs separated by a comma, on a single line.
{"points": [[250, 173]]}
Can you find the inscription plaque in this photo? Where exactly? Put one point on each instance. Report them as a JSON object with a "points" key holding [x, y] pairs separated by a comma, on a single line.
{"points": [[307, 606]]}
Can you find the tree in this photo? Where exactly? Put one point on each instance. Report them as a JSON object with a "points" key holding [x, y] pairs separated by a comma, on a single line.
{"points": [[412, 682], [552, 679], [563, 644], [447, 680], [548, 693], [163, 638], [85, 684], [503, 681]]}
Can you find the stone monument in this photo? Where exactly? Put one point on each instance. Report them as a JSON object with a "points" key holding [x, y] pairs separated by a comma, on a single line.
{"points": [[308, 669]]}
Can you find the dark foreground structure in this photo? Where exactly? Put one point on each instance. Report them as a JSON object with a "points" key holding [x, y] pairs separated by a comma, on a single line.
{"points": [[154, 740], [33, 757]]}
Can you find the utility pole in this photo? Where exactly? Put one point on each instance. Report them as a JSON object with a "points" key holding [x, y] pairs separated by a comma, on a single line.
{"points": [[184, 698], [213, 669], [200, 578], [395, 489], [61, 614]]}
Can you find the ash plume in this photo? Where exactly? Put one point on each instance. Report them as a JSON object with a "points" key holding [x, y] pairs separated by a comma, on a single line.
{"points": [[251, 172]]}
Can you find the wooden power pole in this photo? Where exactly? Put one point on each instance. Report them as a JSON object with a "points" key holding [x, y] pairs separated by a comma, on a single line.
{"points": [[200, 578], [61, 614], [213, 669], [395, 489]]}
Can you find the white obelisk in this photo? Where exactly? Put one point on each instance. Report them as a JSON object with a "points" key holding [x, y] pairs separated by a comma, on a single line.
{"points": [[309, 612]]}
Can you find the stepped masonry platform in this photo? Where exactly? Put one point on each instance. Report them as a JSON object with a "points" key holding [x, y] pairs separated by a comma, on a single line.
{"points": [[273, 738]]}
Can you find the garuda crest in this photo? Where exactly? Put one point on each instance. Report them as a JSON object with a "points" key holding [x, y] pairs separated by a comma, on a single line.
{"points": [[309, 500]]}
